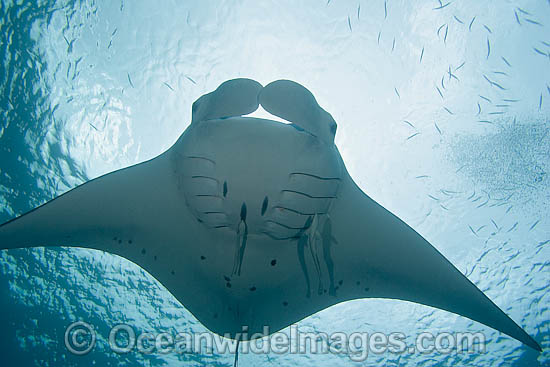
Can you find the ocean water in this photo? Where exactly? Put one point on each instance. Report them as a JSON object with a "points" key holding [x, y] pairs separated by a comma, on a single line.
{"points": [[443, 113]]}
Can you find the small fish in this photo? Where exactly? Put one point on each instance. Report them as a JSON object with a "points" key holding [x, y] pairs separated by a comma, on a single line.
{"points": [[486, 121], [440, 28], [500, 73], [478, 108], [494, 224], [358, 11], [443, 82], [483, 204], [449, 192], [458, 20], [513, 227], [545, 43], [532, 22], [548, 89], [446, 32], [471, 229], [444, 207], [349, 24], [114, 32], [496, 113], [523, 11], [77, 62], [192, 81], [488, 29], [498, 86], [517, 17], [95, 128], [544, 242], [409, 123], [509, 208], [433, 197], [397, 92], [379, 33], [385, 9], [472, 22], [505, 61], [393, 45], [502, 105], [540, 52], [412, 136], [439, 91], [471, 196], [460, 66], [442, 6], [488, 48], [534, 225], [130, 80], [421, 54], [437, 127], [510, 100], [168, 85], [423, 176], [446, 109], [481, 227], [540, 102]]}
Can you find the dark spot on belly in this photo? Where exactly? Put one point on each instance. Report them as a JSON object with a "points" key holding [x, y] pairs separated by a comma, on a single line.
{"points": [[252, 289], [264, 205], [155, 257], [130, 242], [173, 272], [340, 282], [226, 278], [367, 289], [114, 238], [228, 285], [273, 262], [119, 242], [224, 188], [143, 251], [285, 303], [203, 257], [215, 315], [358, 282], [243, 211]]}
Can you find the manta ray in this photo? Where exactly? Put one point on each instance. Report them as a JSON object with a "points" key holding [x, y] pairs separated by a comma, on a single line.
{"points": [[253, 223]]}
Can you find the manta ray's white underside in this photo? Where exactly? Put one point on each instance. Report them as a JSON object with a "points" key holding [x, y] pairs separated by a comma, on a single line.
{"points": [[252, 222]]}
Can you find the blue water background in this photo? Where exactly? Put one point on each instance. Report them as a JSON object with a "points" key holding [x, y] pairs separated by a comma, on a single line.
{"points": [[88, 87]]}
